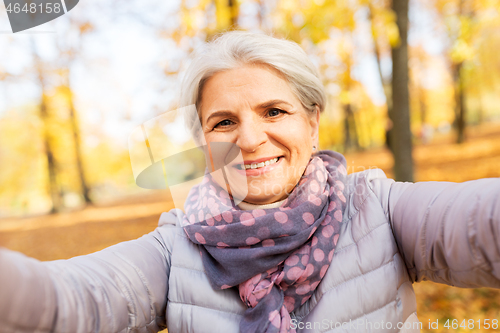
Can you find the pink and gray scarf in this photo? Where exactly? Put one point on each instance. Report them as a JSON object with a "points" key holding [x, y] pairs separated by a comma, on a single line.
{"points": [[278, 256]]}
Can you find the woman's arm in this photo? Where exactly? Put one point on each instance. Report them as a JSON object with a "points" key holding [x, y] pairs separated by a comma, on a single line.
{"points": [[449, 232], [121, 288]]}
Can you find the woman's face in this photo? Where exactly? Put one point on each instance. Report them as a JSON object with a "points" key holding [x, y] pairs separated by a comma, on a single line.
{"points": [[254, 108]]}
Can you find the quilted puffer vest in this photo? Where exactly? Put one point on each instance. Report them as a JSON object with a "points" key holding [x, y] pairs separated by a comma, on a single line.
{"points": [[366, 289]]}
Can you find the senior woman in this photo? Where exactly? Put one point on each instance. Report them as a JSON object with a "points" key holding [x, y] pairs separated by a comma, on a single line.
{"points": [[310, 249]]}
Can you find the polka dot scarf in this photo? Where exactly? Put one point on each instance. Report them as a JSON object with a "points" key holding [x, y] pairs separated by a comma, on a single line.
{"points": [[278, 256]]}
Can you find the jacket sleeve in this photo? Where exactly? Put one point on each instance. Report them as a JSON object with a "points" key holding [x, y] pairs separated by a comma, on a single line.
{"points": [[122, 288], [448, 232]]}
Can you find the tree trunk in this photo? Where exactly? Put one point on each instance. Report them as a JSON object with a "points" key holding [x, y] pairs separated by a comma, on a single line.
{"points": [[77, 144], [226, 14], [386, 86], [423, 106], [350, 134], [401, 138], [233, 9], [54, 190], [459, 102], [459, 83]]}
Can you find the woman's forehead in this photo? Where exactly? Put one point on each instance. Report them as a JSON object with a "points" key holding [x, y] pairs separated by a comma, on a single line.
{"points": [[248, 86]]}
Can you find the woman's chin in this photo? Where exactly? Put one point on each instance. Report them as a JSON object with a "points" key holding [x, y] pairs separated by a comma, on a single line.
{"points": [[256, 199]]}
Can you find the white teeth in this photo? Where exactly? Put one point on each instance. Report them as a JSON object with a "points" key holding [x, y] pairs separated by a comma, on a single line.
{"points": [[261, 164]]}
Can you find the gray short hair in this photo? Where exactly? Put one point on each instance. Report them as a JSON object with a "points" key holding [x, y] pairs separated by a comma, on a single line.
{"points": [[237, 48]]}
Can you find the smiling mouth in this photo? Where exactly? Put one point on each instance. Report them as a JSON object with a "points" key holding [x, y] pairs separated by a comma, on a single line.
{"points": [[258, 165]]}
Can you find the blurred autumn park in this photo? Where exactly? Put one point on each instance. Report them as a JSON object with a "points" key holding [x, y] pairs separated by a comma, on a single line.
{"points": [[413, 88]]}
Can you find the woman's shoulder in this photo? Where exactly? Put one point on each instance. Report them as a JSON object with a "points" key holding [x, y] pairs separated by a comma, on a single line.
{"points": [[368, 181], [366, 175], [168, 229], [369, 186], [171, 218]]}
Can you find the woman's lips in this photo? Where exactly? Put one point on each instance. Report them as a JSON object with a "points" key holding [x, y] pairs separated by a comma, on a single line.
{"points": [[259, 171], [260, 160]]}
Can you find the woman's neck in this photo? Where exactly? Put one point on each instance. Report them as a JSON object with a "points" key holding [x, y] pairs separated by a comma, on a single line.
{"points": [[248, 206]]}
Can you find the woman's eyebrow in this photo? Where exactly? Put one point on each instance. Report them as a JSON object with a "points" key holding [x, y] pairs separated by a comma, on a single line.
{"points": [[221, 113], [271, 103]]}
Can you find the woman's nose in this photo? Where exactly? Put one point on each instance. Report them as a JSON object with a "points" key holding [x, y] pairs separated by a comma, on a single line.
{"points": [[251, 135]]}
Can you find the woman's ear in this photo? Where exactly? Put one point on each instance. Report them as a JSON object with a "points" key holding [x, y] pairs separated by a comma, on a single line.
{"points": [[314, 123]]}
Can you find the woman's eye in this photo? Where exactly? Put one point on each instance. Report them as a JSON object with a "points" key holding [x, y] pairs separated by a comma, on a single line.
{"points": [[274, 112], [224, 123]]}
